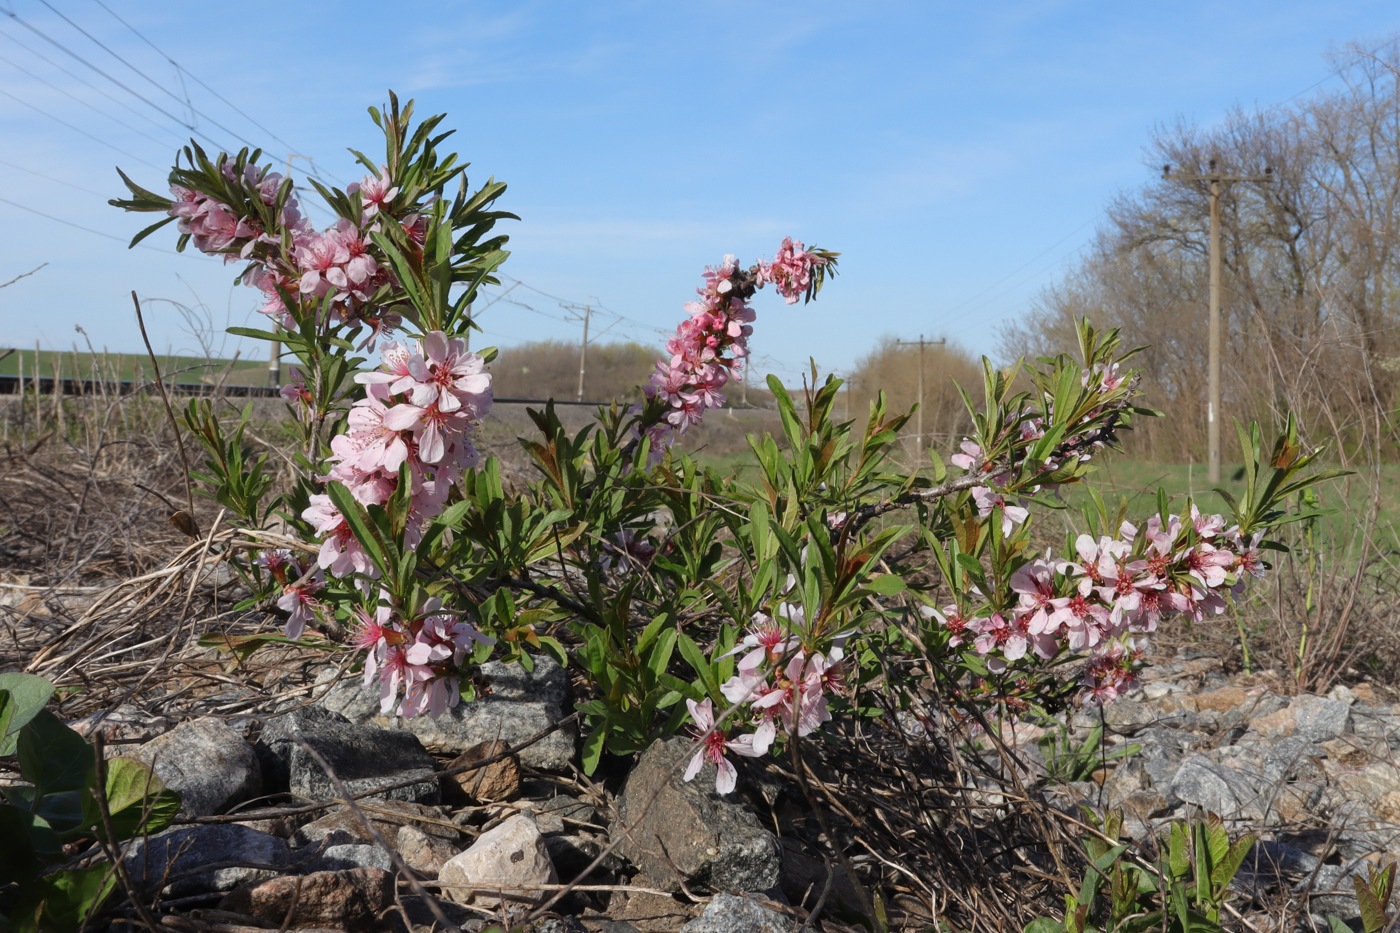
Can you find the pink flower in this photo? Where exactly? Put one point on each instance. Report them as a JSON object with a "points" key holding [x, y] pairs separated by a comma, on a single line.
{"points": [[376, 192], [340, 554], [1035, 584], [713, 746], [791, 270], [769, 642], [989, 501]]}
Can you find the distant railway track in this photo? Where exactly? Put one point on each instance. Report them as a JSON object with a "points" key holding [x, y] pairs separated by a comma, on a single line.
{"points": [[70, 386]]}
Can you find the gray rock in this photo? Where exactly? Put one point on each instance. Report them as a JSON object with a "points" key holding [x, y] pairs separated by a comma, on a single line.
{"points": [[207, 762], [343, 825], [1271, 866], [519, 706], [504, 865], [195, 859], [1319, 719], [1329, 892], [351, 855], [682, 832], [572, 854], [729, 913], [423, 853], [565, 814], [1219, 790], [1127, 716], [554, 924], [125, 725], [363, 757]]}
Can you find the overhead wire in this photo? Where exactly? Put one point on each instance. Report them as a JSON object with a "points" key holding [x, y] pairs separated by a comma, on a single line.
{"points": [[57, 181], [188, 125], [194, 77], [134, 93], [69, 223], [108, 49], [88, 84], [71, 96], [78, 130]]}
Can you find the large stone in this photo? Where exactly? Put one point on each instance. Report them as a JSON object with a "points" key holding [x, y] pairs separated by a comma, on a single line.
{"points": [[678, 832], [207, 762], [351, 855], [513, 706], [506, 864], [343, 825], [1220, 790], [729, 913], [363, 757], [125, 725], [423, 853], [1318, 719], [195, 859], [484, 783], [351, 900]]}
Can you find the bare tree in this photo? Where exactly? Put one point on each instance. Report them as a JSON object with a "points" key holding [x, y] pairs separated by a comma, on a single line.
{"points": [[1311, 264]]}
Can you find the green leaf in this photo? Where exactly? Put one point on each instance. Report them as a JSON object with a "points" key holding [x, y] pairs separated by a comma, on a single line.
{"points": [[1336, 925], [256, 334], [593, 746], [1045, 925], [136, 799], [27, 840], [1372, 910], [28, 694], [64, 901], [54, 757], [887, 584]]}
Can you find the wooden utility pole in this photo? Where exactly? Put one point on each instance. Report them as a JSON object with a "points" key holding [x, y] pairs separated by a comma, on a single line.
{"points": [[919, 413], [583, 351], [1216, 181]]}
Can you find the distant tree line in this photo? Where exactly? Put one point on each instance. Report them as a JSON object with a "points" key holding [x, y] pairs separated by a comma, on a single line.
{"points": [[1311, 266]]}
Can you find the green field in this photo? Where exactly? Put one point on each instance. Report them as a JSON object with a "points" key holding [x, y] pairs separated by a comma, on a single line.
{"points": [[127, 367]]}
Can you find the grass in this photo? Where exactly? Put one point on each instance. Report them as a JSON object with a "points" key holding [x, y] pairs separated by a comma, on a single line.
{"points": [[131, 367], [1343, 499]]}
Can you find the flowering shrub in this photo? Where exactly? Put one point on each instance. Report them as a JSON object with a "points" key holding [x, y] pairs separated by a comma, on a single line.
{"points": [[757, 610]]}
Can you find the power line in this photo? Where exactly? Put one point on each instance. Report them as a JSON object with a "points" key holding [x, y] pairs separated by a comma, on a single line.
{"points": [[1004, 279], [139, 96], [106, 48], [85, 83], [69, 223], [57, 181], [184, 71], [70, 95], [75, 129]]}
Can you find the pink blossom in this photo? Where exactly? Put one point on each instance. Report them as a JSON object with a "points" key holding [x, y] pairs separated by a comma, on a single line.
{"points": [[766, 641], [989, 501], [971, 457], [791, 269], [713, 746], [1034, 583], [340, 554], [376, 192]]}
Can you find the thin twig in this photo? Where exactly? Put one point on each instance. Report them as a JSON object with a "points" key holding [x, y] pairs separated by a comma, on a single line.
{"points": [[170, 413]]}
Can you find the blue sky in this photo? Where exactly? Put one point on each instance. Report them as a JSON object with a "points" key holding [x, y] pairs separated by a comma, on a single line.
{"points": [[958, 155]]}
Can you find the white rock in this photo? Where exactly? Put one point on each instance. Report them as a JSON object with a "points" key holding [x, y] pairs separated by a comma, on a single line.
{"points": [[511, 856]]}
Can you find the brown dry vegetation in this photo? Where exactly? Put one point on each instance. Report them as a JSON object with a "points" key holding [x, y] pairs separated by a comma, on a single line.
{"points": [[1311, 307], [100, 594]]}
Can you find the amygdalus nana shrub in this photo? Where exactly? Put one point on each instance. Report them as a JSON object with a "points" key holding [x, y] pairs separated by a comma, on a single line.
{"points": [[752, 609]]}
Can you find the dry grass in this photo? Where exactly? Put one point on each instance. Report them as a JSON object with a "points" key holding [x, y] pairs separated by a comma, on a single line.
{"points": [[100, 594]]}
